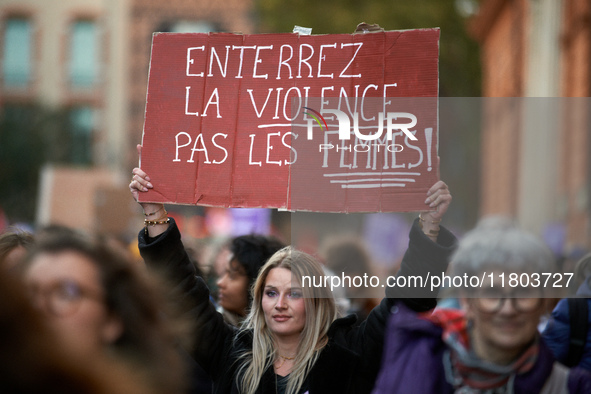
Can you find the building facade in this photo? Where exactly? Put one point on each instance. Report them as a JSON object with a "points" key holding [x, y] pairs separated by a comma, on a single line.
{"points": [[87, 62], [92, 58], [536, 61]]}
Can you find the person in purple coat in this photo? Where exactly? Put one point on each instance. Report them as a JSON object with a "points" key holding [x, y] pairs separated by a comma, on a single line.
{"points": [[491, 345]]}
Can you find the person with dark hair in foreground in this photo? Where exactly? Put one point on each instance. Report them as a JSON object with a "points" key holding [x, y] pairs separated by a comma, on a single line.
{"points": [[97, 302], [34, 359]]}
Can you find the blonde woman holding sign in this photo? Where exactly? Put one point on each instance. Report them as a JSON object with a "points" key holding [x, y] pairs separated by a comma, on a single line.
{"points": [[292, 341]]}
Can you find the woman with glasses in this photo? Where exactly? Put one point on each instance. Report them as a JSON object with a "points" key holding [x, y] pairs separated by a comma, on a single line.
{"points": [[492, 344], [32, 361], [98, 303]]}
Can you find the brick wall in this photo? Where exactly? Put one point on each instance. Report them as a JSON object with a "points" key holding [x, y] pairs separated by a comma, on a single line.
{"points": [[575, 172], [502, 29]]}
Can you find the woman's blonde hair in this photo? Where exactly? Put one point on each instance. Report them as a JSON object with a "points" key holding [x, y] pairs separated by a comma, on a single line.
{"points": [[320, 313]]}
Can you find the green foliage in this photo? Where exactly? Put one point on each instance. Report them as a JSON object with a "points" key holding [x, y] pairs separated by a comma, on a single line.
{"points": [[459, 69], [29, 137]]}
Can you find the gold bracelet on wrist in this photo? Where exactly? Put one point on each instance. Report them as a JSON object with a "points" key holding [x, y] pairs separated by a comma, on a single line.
{"points": [[422, 220], [155, 212], [155, 222], [432, 233]]}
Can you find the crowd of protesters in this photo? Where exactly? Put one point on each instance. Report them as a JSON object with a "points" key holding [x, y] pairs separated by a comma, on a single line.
{"points": [[78, 315]]}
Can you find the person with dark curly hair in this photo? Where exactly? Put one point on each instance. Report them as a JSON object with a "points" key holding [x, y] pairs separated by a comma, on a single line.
{"points": [[248, 254]]}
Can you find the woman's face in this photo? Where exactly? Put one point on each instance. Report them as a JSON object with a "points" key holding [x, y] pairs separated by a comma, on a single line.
{"points": [[505, 325], [66, 286], [283, 305], [233, 288]]}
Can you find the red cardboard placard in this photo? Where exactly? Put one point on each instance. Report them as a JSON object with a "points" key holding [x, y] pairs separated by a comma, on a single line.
{"points": [[239, 120]]}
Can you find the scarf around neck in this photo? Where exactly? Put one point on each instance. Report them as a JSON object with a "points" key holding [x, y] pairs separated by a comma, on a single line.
{"points": [[466, 371]]}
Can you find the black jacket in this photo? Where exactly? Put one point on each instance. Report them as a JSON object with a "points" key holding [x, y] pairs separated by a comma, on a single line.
{"points": [[351, 360]]}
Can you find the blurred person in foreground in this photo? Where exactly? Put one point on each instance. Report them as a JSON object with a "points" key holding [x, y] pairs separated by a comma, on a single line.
{"points": [[34, 360], [291, 341], [100, 304], [492, 344]]}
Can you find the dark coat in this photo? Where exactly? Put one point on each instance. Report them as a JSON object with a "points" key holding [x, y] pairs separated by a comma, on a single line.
{"points": [[350, 361], [557, 331]]}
